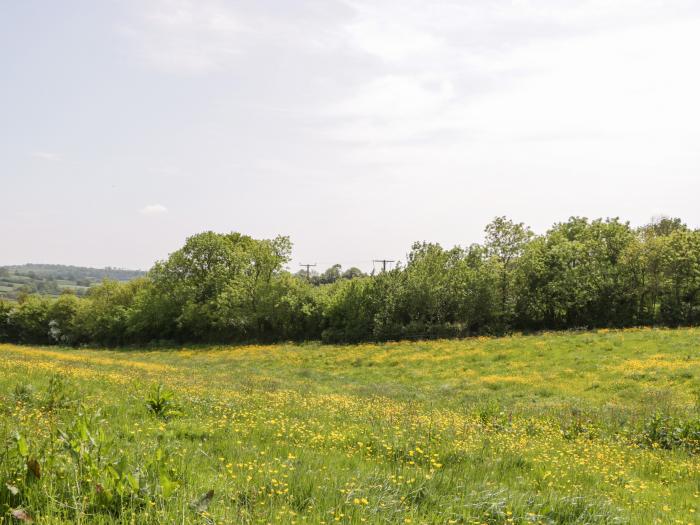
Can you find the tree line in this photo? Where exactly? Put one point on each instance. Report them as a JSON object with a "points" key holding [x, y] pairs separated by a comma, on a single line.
{"points": [[231, 287]]}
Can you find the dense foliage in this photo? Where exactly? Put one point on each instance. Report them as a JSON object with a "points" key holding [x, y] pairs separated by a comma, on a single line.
{"points": [[231, 287]]}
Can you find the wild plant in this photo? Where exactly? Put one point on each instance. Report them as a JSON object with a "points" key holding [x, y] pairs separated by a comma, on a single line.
{"points": [[24, 392], [58, 394], [161, 402], [105, 473]]}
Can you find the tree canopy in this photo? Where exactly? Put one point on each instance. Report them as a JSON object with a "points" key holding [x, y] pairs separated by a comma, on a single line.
{"points": [[232, 287]]}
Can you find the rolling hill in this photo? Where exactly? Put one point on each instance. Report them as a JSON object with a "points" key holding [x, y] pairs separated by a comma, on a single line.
{"points": [[53, 279]]}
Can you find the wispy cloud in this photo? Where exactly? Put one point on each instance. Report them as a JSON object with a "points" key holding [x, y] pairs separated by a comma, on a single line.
{"points": [[441, 75], [153, 209], [45, 155], [184, 36], [393, 107], [514, 70]]}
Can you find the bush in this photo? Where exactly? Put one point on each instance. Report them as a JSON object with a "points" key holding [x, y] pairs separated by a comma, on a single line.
{"points": [[8, 330], [30, 320], [667, 432]]}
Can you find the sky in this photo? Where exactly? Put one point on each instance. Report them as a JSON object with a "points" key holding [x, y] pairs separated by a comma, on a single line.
{"points": [[354, 127]]}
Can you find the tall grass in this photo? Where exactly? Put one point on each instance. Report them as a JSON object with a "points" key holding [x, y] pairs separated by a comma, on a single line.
{"points": [[596, 427]]}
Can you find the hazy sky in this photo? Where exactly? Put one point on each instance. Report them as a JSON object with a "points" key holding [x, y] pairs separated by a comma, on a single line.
{"points": [[355, 127]]}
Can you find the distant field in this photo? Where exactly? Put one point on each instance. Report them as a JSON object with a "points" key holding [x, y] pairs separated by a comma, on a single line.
{"points": [[595, 427], [53, 279]]}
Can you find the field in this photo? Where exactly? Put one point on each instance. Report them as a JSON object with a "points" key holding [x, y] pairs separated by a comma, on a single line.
{"points": [[594, 427], [52, 279]]}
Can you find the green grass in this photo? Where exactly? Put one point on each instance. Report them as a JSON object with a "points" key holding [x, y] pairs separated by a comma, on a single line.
{"points": [[594, 427]]}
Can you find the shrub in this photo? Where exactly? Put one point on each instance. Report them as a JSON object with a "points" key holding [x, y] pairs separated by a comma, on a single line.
{"points": [[668, 432]]}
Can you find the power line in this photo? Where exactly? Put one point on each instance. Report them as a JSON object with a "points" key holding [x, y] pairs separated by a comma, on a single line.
{"points": [[308, 271], [383, 261]]}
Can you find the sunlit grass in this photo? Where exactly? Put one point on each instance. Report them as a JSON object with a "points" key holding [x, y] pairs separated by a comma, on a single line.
{"points": [[554, 428]]}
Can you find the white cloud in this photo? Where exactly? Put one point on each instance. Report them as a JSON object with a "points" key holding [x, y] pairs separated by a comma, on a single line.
{"points": [[45, 155], [392, 40], [392, 108], [528, 71], [184, 36], [396, 97], [154, 209]]}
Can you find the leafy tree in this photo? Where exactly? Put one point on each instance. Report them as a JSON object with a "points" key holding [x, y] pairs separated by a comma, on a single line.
{"points": [[104, 317], [30, 320], [290, 310], [8, 330], [575, 276], [664, 226], [331, 275], [214, 286], [63, 316], [681, 291], [353, 273], [349, 308], [505, 241]]}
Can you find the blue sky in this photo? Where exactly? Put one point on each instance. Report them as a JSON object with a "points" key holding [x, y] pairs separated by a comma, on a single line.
{"points": [[354, 127]]}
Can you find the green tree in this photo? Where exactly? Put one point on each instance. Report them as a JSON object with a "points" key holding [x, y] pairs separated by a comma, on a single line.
{"points": [[8, 330], [349, 308], [104, 316], [331, 275], [63, 317], [575, 276], [680, 302], [505, 242], [214, 286], [353, 273], [30, 320]]}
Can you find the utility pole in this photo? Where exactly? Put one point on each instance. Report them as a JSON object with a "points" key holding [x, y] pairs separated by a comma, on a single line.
{"points": [[383, 261], [308, 271]]}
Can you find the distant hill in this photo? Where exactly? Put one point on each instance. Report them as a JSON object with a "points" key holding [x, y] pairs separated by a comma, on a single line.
{"points": [[52, 279]]}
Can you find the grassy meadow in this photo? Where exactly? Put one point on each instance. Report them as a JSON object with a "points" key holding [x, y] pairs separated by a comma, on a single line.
{"points": [[590, 427]]}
